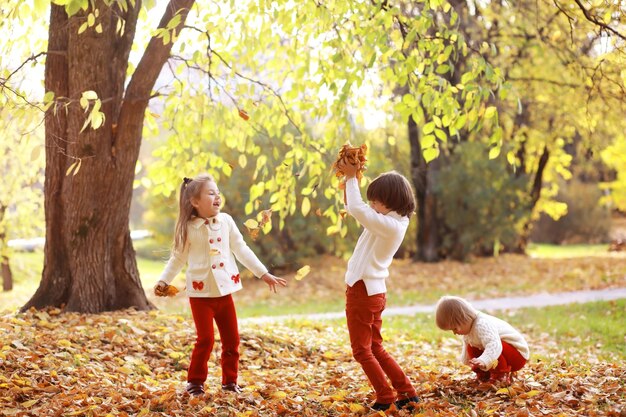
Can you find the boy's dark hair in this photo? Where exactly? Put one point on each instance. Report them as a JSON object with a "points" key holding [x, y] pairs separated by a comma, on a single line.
{"points": [[394, 191]]}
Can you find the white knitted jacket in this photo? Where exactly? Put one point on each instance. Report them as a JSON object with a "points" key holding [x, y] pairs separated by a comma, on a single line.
{"points": [[487, 333]]}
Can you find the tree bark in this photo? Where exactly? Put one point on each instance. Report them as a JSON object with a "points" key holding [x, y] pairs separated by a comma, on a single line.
{"points": [[89, 260], [422, 175], [7, 275]]}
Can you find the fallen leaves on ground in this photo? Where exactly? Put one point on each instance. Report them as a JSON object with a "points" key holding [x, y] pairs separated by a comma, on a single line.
{"points": [[132, 363]]}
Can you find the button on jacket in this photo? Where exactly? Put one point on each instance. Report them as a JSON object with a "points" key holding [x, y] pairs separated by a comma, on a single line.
{"points": [[210, 251]]}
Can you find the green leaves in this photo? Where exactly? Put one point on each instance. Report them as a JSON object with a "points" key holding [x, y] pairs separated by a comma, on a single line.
{"points": [[72, 6]]}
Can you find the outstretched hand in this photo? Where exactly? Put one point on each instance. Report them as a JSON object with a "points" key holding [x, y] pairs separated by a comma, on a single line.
{"points": [[348, 169], [273, 281]]}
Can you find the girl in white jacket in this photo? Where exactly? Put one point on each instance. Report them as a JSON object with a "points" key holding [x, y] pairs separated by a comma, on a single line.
{"points": [[492, 347], [208, 241]]}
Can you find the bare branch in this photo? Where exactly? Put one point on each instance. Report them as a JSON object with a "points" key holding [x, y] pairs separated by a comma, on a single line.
{"points": [[4, 82], [597, 22]]}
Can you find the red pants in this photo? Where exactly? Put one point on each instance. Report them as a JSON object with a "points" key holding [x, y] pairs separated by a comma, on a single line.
{"points": [[363, 314], [510, 359], [204, 310]]}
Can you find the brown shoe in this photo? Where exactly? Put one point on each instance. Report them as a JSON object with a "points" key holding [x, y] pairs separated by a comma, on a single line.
{"points": [[233, 387], [194, 389]]}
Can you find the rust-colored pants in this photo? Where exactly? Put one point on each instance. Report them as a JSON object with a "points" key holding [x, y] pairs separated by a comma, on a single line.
{"points": [[364, 316], [510, 359], [204, 311]]}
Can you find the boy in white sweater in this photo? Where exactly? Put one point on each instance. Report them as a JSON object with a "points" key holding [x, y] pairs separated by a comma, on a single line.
{"points": [[492, 347], [385, 221]]}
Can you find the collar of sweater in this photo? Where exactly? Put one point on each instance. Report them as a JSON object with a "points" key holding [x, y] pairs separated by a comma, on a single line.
{"points": [[199, 221]]}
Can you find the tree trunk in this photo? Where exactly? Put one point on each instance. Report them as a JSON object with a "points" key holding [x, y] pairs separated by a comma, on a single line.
{"points": [[428, 221], [89, 260], [7, 275], [535, 194], [521, 121]]}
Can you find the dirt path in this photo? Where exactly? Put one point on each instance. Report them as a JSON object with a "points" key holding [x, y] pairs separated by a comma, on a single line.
{"points": [[503, 303]]}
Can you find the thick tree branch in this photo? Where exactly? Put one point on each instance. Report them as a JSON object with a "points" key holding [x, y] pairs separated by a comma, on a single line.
{"points": [[156, 53]]}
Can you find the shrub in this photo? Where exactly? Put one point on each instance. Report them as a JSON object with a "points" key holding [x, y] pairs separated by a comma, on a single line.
{"points": [[482, 204], [586, 221]]}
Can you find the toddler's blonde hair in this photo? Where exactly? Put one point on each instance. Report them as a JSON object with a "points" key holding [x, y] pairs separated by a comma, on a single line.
{"points": [[453, 311]]}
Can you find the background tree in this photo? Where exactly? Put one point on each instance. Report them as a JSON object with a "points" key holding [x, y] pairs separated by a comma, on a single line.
{"points": [[93, 133], [263, 103], [326, 63], [22, 163], [570, 94]]}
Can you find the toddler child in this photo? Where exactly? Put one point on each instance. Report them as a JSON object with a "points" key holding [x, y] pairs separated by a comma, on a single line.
{"points": [[491, 346]]}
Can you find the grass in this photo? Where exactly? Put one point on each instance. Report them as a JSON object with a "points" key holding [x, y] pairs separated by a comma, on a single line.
{"points": [[590, 329], [568, 268], [548, 251]]}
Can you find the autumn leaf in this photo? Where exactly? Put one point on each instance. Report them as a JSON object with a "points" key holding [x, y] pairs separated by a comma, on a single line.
{"points": [[244, 115], [131, 363], [302, 272], [251, 224], [353, 156], [254, 226], [165, 291]]}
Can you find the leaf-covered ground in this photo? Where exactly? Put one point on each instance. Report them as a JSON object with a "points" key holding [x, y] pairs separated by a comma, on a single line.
{"points": [[134, 364]]}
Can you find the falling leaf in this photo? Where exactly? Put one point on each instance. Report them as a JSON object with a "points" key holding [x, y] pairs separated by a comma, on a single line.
{"points": [[254, 234], [266, 216], [251, 224], [243, 114], [302, 272], [254, 226]]}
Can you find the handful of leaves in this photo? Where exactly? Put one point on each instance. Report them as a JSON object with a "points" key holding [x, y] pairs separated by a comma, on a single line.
{"points": [[353, 156], [165, 291]]}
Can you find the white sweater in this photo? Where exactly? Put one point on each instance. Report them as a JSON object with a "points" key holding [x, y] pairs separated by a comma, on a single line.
{"points": [[208, 253], [382, 236], [487, 333]]}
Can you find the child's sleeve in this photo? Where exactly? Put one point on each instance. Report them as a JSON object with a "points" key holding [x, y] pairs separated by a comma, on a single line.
{"points": [[242, 251], [368, 217], [174, 265], [490, 338]]}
